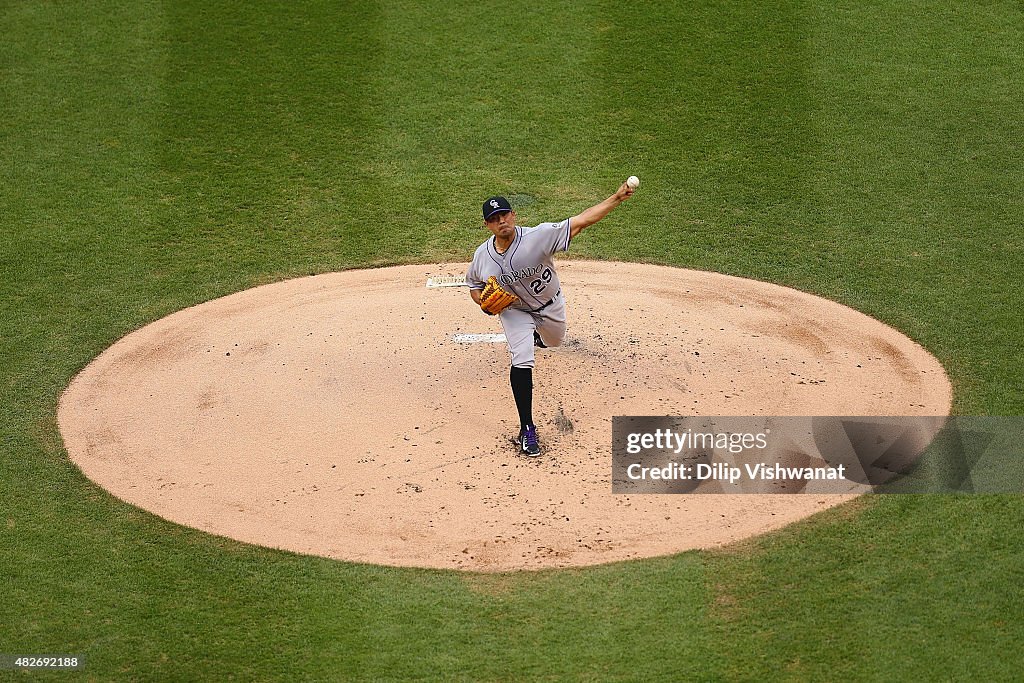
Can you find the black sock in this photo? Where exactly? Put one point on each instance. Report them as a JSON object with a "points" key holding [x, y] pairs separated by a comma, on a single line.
{"points": [[522, 389]]}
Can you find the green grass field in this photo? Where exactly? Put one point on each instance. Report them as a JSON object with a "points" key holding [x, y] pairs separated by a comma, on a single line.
{"points": [[156, 155]]}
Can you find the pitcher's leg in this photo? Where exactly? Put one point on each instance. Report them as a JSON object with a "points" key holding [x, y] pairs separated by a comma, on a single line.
{"points": [[519, 329]]}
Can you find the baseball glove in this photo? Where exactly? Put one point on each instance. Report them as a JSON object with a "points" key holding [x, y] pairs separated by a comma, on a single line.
{"points": [[494, 299]]}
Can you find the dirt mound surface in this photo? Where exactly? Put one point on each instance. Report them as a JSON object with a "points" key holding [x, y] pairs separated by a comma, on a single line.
{"points": [[337, 415]]}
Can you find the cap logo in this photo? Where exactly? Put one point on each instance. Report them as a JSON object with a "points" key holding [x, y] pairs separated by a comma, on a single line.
{"points": [[494, 203]]}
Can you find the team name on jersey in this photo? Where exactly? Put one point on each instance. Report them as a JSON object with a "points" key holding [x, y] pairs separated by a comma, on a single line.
{"points": [[510, 278]]}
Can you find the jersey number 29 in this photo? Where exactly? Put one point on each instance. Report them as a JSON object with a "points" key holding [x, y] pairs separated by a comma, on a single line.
{"points": [[541, 283]]}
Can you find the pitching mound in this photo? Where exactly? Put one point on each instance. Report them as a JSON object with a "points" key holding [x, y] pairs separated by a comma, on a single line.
{"points": [[336, 415]]}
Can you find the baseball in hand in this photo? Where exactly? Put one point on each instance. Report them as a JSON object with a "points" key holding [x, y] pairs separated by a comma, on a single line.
{"points": [[632, 182]]}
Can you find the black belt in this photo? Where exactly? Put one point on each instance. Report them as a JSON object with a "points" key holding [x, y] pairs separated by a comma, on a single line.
{"points": [[538, 310]]}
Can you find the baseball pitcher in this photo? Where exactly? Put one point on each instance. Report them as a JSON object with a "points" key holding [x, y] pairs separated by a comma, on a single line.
{"points": [[513, 276]]}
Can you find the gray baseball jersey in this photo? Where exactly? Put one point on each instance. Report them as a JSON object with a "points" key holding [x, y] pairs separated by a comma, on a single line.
{"points": [[526, 268]]}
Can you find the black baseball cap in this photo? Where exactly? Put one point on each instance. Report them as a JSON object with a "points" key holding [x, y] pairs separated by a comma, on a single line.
{"points": [[495, 204]]}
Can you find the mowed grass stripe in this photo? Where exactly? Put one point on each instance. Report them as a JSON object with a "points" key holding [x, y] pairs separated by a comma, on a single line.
{"points": [[884, 586], [476, 99], [913, 106], [268, 135], [918, 192], [709, 102], [79, 105]]}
